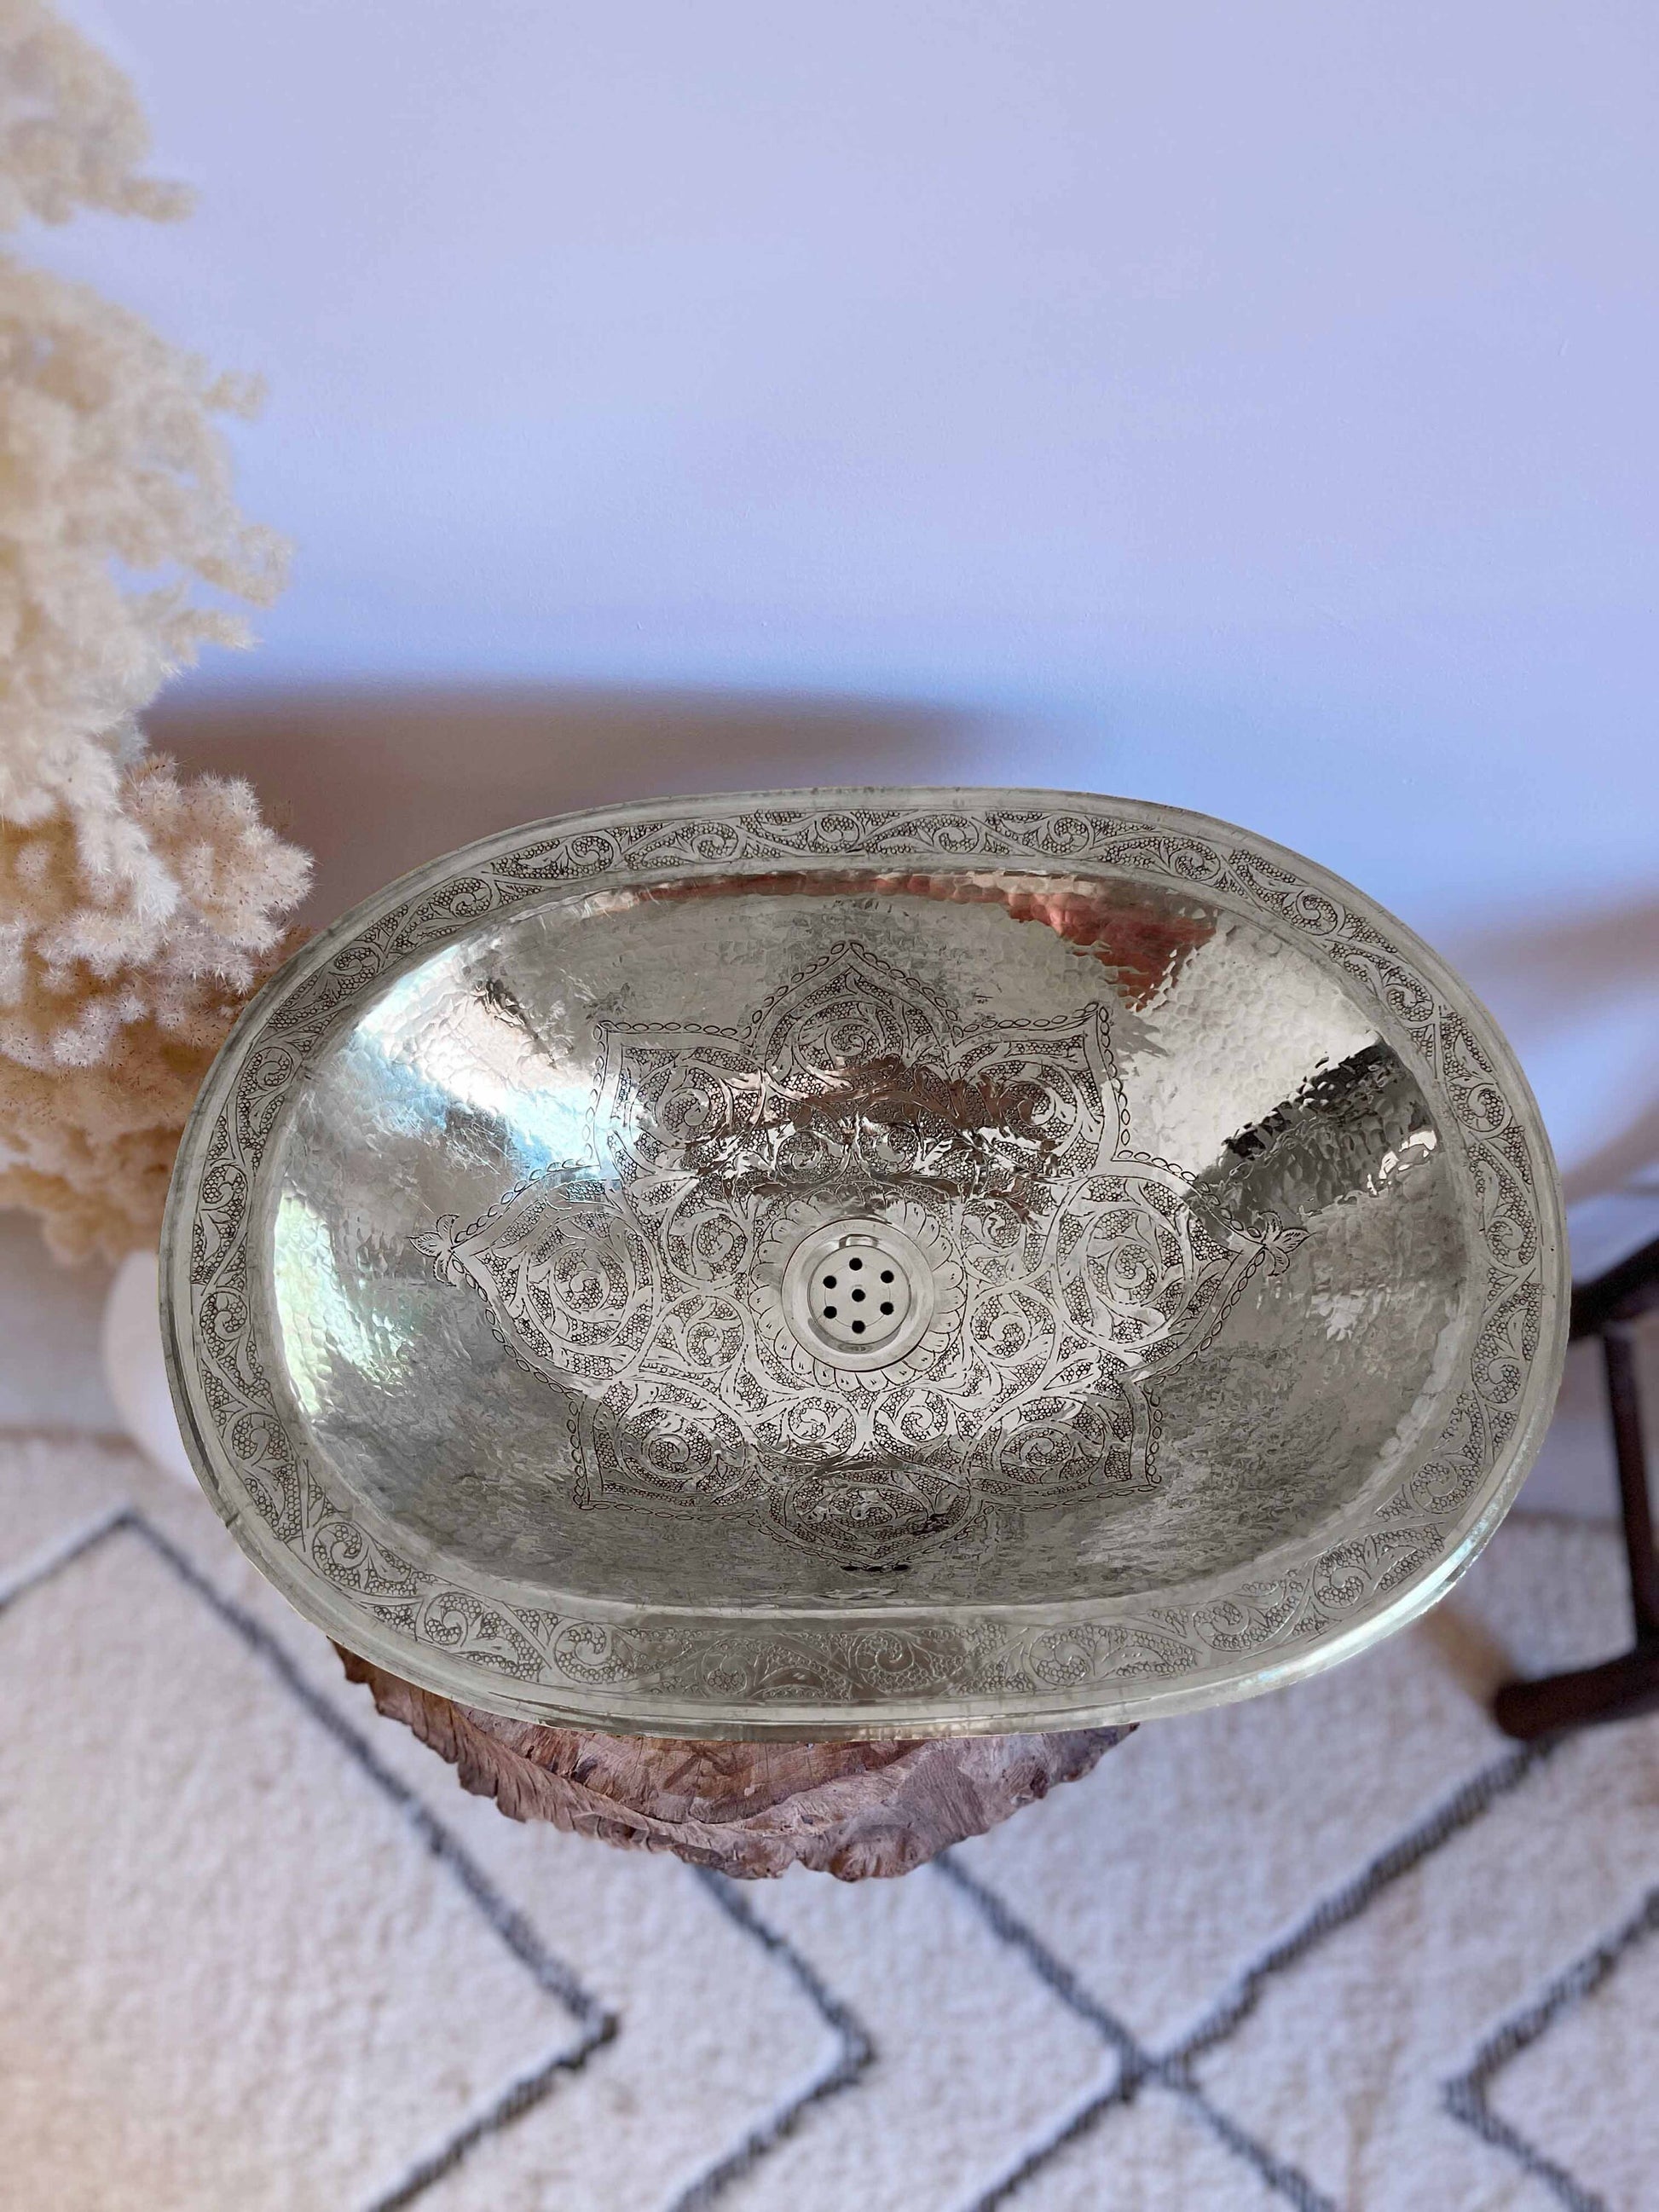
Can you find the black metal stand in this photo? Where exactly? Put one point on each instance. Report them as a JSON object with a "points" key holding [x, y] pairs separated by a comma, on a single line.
{"points": [[1619, 1688]]}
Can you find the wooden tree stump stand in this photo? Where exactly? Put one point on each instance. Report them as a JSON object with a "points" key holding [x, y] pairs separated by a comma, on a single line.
{"points": [[749, 1809]]}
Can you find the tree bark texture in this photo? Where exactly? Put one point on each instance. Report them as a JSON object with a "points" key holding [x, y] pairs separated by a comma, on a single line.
{"points": [[749, 1809]]}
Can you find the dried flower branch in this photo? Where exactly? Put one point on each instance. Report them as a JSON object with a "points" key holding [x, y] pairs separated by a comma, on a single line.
{"points": [[136, 911]]}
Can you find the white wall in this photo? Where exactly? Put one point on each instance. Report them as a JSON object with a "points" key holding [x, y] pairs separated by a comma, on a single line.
{"points": [[1246, 405]]}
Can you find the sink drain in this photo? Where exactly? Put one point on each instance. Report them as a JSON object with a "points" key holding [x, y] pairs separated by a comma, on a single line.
{"points": [[858, 1293]]}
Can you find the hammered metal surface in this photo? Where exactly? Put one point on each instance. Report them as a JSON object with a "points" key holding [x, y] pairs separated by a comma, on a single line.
{"points": [[515, 1246]]}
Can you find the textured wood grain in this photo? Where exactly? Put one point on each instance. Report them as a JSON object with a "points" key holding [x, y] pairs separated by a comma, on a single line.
{"points": [[750, 1809]]}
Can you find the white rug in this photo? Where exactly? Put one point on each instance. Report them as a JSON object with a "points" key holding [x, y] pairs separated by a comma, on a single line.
{"points": [[1344, 1947]]}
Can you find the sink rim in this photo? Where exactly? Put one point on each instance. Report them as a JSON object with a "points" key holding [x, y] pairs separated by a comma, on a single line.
{"points": [[866, 1669]]}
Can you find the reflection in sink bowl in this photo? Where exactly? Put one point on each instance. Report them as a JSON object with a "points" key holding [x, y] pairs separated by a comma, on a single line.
{"points": [[864, 1263]]}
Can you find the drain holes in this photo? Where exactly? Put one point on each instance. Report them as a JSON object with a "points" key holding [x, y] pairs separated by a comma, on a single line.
{"points": [[832, 1298]]}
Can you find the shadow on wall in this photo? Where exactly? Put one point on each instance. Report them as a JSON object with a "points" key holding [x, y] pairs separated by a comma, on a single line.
{"points": [[374, 782], [1584, 989]]}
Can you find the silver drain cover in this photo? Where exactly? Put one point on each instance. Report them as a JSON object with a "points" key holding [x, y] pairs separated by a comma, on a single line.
{"points": [[858, 1294]]}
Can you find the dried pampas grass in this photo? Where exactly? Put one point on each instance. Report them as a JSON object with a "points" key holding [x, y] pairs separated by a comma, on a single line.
{"points": [[136, 911]]}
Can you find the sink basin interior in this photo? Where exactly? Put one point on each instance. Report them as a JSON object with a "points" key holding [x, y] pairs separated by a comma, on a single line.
{"points": [[1176, 1260]]}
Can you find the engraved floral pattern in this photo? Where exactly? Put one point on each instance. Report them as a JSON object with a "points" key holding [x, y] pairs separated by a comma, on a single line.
{"points": [[1069, 1270]]}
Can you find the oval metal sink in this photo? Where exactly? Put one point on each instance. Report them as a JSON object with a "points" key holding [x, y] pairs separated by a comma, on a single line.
{"points": [[863, 1263]]}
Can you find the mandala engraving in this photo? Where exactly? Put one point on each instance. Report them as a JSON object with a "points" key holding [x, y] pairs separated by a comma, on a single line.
{"points": [[1069, 1271]]}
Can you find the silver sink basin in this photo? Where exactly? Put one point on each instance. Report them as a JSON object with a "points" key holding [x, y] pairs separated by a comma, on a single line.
{"points": [[852, 1263]]}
